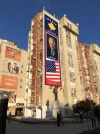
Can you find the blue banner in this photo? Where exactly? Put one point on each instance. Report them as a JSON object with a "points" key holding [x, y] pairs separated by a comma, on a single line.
{"points": [[51, 26]]}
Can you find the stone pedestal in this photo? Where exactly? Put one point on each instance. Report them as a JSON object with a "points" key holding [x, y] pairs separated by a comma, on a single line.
{"points": [[48, 114], [55, 108]]}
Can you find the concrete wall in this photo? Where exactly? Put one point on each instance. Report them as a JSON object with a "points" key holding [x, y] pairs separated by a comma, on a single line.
{"points": [[66, 69]]}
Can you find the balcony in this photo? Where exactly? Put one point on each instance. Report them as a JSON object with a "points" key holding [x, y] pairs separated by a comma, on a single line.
{"points": [[73, 28], [31, 48], [80, 75], [41, 35], [96, 49], [87, 78], [41, 47]]}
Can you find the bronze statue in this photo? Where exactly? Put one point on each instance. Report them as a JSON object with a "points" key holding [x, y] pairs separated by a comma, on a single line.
{"points": [[55, 91]]}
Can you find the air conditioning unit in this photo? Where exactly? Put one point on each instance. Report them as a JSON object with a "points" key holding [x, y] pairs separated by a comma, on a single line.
{"points": [[41, 47], [34, 58], [39, 69], [40, 73], [34, 43]]}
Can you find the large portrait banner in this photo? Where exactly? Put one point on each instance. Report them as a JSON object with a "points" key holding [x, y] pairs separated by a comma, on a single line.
{"points": [[52, 47], [52, 56], [10, 67]]}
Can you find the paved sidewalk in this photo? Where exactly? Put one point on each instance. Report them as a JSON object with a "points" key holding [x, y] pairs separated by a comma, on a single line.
{"points": [[53, 121], [20, 128]]}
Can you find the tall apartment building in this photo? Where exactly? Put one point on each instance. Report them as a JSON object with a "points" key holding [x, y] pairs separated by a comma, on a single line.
{"points": [[95, 56], [44, 27], [86, 69], [69, 61], [13, 66], [53, 62]]}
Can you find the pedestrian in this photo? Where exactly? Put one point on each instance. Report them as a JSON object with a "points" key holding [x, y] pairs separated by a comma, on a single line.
{"points": [[98, 118], [61, 118], [97, 113], [81, 117], [9, 117], [92, 117], [58, 119]]}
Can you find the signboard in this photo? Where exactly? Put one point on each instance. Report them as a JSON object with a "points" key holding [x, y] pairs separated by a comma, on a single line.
{"points": [[9, 82], [12, 53]]}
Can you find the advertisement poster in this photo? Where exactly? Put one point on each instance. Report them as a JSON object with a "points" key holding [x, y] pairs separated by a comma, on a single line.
{"points": [[11, 97], [52, 56], [12, 53], [11, 67], [9, 82]]}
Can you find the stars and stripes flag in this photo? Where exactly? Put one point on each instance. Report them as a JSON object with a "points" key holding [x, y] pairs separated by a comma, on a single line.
{"points": [[53, 73]]}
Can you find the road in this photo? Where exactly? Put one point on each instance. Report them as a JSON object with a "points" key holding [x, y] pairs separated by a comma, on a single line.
{"points": [[20, 128]]}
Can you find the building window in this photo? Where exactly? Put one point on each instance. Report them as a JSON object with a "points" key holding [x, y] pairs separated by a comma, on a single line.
{"points": [[72, 77], [81, 80], [70, 57], [21, 71], [21, 80], [70, 64], [70, 26], [73, 92], [69, 44]]}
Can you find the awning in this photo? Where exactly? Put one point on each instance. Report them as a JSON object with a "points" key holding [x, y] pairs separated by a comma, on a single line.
{"points": [[39, 107], [18, 106]]}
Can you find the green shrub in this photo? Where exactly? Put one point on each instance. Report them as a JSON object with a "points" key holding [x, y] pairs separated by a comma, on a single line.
{"points": [[84, 105]]}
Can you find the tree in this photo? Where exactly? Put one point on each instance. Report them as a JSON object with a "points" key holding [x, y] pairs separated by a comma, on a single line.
{"points": [[84, 105]]}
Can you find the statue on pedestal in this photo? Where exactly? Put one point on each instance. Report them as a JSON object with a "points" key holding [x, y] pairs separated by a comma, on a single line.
{"points": [[55, 91]]}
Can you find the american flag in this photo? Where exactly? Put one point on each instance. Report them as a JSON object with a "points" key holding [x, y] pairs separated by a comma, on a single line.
{"points": [[53, 73]]}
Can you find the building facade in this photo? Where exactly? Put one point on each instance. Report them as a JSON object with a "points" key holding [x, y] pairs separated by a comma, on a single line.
{"points": [[95, 56], [13, 66], [69, 62], [86, 68]]}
